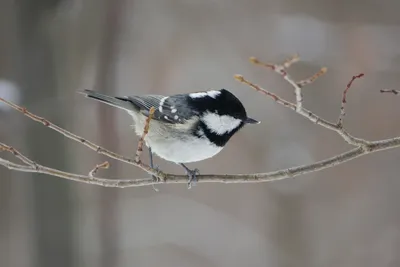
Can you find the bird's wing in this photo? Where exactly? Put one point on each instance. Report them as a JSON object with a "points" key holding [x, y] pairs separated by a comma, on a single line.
{"points": [[169, 109]]}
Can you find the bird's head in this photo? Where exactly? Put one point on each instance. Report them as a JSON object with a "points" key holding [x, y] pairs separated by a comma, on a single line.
{"points": [[222, 114]]}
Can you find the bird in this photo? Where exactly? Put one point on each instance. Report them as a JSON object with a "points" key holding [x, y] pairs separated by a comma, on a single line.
{"points": [[185, 127]]}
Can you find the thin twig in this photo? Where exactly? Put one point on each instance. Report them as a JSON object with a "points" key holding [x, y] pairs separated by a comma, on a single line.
{"points": [[312, 79], [291, 60], [393, 91], [139, 149], [104, 165], [344, 101], [14, 166], [280, 68], [276, 98]]}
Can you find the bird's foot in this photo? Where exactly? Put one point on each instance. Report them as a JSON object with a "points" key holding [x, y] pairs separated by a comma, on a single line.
{"points": [[192, 175], [155, 178]]}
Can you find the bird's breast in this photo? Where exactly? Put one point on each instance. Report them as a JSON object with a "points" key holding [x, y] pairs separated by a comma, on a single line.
{"points": [[183, 150], [173, 142]]}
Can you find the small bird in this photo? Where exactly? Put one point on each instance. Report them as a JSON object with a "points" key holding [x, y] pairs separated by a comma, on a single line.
{"points": [[185, 127]]}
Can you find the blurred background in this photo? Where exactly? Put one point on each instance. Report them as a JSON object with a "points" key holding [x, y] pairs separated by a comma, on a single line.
{"points": [[343, 216]]}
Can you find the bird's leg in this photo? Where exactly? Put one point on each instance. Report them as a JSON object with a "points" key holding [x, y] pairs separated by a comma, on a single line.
{"points": [[191, 174], [152, 165]]}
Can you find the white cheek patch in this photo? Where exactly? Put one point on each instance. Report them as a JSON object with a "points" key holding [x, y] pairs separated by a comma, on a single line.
{"points": [[211, 93], [220, 124]]}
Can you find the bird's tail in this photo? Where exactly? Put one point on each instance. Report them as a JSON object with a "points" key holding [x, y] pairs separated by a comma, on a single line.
{"points": [[118, 102]]}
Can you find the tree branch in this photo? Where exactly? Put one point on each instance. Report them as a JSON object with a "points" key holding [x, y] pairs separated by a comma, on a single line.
{"points": [[83, 141], [362, 147], [213, 178]]}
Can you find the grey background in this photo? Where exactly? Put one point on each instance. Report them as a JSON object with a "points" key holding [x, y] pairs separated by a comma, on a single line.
{"points": [[344, 216]]}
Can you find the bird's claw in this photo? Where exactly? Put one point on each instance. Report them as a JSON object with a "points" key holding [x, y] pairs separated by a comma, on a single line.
{"points": [[192, 174], [155, 178]]}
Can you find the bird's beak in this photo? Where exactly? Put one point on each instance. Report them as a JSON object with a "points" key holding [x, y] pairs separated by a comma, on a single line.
{"points": [[251, 121]]}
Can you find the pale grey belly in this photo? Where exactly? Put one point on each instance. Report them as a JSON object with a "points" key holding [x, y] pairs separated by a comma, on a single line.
{"points": [[174, 150]]}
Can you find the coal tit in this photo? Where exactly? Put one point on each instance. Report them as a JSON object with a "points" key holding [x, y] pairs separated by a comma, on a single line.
{"points": [[185, 127]]}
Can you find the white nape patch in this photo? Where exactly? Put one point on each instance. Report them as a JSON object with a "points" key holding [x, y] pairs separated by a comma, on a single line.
{"points": [[220, 124], [162, 103], [211, 93]]}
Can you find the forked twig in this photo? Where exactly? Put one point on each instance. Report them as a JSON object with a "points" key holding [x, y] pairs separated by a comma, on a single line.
{"points": [[280, 69], [17, 154]]}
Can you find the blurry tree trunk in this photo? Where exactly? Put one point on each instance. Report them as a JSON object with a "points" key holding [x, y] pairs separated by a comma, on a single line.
{"points": [[105, 82], [15, 190], [5, 182], [52, 227], [5, 212]]}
